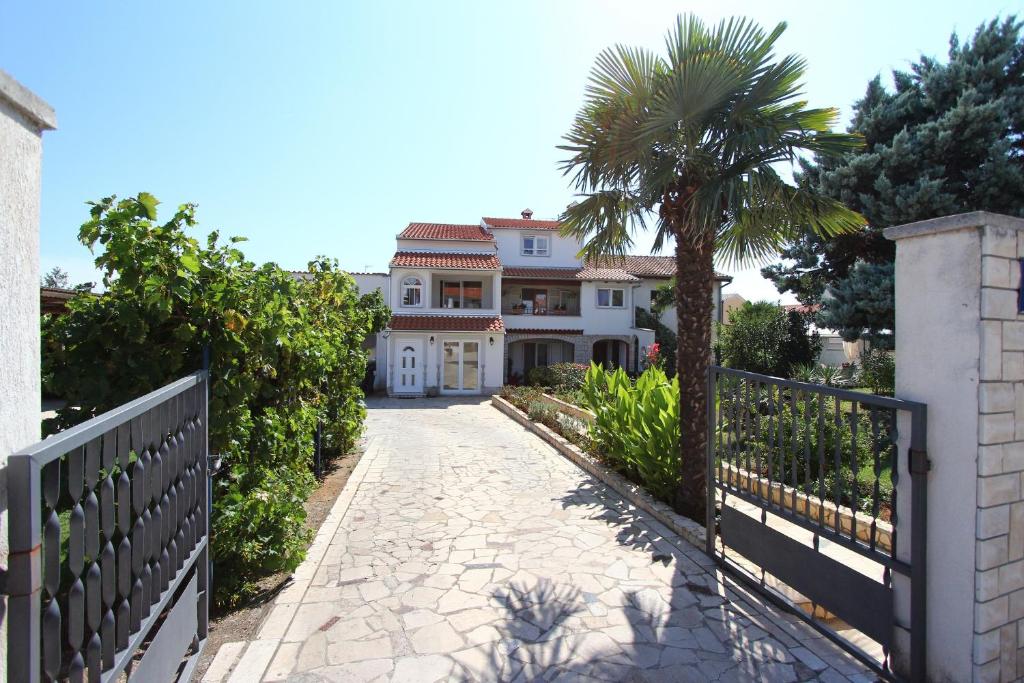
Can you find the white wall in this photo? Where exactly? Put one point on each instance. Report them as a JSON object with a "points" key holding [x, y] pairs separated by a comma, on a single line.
{"points": [[447, 246], [928, 337], [668, 317], [606, 320], [368, 282], [562, 252], [23, 118]]}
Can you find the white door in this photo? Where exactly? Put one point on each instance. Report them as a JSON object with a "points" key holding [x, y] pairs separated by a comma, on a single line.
{"points": [[461, 367], [409, 367]]}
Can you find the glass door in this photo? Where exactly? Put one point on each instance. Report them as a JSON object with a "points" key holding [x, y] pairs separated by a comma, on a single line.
{"points": [[461, 372]]}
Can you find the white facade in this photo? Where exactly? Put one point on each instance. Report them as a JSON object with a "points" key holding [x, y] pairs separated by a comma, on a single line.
{"points": [[23, 119], [477, 305]]}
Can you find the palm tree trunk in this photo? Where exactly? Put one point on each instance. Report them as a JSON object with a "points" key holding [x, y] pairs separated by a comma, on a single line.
{"points": [[695, 274]]}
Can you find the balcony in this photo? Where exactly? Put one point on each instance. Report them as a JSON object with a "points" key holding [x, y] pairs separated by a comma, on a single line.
{"points": [[527, 308], [537, 299]]}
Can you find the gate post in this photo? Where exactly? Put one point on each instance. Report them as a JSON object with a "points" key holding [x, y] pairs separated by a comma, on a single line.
{"points": [[24, 118], [960, 350]]}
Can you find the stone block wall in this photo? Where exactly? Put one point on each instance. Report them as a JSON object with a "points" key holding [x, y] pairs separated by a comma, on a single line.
{"points": [[998, 653], [960, 350]]}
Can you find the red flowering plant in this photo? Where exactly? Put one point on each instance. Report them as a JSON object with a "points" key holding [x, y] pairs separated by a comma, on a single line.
{"points": [[654, 359]]}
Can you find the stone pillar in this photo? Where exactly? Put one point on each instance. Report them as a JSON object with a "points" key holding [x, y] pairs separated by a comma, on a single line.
{"points": [[23, 118], [960, 350]]}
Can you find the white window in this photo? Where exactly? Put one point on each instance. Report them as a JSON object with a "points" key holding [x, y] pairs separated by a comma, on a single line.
{"points": [[535, 245], [412, 292], [611, 298]]}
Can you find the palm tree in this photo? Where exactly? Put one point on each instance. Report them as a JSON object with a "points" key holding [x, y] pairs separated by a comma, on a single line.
{"points": [[689, 142]]}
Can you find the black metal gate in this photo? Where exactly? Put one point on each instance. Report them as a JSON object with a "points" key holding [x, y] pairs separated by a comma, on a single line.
{"points": [[109, 569], [803, 481]]}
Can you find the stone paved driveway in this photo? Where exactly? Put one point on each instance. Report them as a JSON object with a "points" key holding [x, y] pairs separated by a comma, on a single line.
{"points": [[465, 548]]}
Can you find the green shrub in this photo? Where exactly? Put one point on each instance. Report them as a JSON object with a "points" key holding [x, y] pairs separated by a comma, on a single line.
{"points": [[762, 337], [520, 397], [285, 355], [538, 411], [637, 425], [878, 371], [568, 376], [540, 376]]}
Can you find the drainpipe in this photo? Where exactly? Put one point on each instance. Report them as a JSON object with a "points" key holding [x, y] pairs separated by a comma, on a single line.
{"points": [[632, 301]]}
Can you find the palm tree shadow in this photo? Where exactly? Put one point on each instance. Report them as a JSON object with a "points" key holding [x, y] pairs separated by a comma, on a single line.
{"points": [[706, 620], [542, 635]]}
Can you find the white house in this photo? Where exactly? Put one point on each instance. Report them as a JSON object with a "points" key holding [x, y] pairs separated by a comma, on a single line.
{"points": [[475, 305]]}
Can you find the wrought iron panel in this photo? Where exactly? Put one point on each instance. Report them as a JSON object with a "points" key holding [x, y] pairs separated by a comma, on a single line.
{"points": [[108, 519], [791, 460]]}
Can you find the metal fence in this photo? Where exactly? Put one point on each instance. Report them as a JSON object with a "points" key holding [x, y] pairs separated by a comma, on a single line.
{"points": [[803, 479], [109, 568]]}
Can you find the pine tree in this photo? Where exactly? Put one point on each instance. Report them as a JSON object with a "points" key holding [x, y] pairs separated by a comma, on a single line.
{"points": [[948, 139]]}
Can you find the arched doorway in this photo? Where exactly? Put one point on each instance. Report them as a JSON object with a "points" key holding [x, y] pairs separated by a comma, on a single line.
{"points": [[610, 353]]}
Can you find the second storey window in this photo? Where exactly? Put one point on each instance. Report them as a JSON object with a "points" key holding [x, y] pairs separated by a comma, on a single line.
{"points": [[611, 298], [464, 294], [535, 245], [412, 292]]}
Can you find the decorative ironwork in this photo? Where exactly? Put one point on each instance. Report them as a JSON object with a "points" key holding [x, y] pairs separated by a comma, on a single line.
{"points": [[107, 520], [803, 480]]}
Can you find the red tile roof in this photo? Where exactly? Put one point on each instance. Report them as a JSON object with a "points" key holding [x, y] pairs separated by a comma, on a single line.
{"points": [[410, 259], [654, 267], [445, 231], [541, 273], [587, 273], [522, 224], [447, 323], [537, 330], [802, 309], [606, 274]]}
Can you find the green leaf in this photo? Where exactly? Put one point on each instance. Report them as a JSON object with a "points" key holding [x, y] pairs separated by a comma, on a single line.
{"points": [[190, 262], [149, 203]]}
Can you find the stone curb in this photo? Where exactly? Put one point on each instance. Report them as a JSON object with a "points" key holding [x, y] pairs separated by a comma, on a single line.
{"points": [[687, 529], [569, 409]]}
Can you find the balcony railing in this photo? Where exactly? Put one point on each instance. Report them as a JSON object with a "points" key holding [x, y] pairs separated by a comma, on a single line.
{"points": [[535, 310]]}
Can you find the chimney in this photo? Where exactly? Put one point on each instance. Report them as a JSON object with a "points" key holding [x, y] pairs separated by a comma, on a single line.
{"points": [[527, 214]]}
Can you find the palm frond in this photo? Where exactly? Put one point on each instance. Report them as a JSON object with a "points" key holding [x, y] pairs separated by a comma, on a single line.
{"points": [[604, 222], [763, 212], [693, 136]]}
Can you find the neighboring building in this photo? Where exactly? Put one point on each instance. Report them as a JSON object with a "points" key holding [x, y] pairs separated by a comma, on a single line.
{"points": [[55, 299], [834, 351], [477, 304], [731, 303]]}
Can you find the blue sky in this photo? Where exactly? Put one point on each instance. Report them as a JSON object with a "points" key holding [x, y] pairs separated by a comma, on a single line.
{"points": [[324, 128]]}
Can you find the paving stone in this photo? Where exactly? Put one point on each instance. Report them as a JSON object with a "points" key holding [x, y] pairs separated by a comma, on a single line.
{"points": [[346, 651], [436, 638], [422, 669], [283, 662], [468, 549]]}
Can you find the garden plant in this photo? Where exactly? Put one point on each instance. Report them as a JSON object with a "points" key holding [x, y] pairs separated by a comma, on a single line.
{"points": [[284, 355]]}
